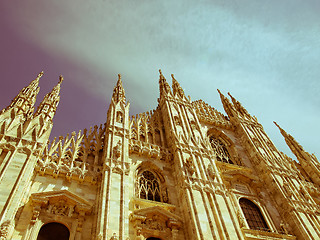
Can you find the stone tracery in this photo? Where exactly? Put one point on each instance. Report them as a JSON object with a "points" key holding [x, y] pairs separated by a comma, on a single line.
{"points": [[148, 186]]}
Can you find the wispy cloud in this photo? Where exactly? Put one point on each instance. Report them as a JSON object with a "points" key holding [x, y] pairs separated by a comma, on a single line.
{"points": [[266, 53]]}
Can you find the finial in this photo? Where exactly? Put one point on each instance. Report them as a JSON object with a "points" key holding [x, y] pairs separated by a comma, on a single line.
{"points": [[283, 132], [60, 79], [119, 77], [40, 74], [231, 96], [276, 124], [160, 71]]}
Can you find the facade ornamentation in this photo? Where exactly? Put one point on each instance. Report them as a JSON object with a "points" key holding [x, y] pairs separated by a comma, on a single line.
{"points": [[182, 171], [4, 229], [190, 165]]}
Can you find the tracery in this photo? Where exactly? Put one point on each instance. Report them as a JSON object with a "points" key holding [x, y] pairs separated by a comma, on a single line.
{"points": [[149, 187], [220, 149]]}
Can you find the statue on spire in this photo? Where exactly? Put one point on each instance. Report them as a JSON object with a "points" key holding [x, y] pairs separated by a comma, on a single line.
{"points": [[118, 91]]}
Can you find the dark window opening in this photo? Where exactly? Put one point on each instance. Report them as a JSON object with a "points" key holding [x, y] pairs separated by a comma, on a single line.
{"points": [[53, 231], [253, 215]]}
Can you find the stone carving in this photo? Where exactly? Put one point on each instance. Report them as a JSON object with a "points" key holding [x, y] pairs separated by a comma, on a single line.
{"points": [[211, 172], [287, 189], [154, 223], [117, 150], [284, 228], [61, 208], [190, 165], [114, 237], [73, 156], [4, 229], [241, 219]]}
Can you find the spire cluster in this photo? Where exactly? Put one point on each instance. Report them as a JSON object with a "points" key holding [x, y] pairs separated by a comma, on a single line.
{"points": [[118, 91], [50, 102], [23, 103], [234, 108]]}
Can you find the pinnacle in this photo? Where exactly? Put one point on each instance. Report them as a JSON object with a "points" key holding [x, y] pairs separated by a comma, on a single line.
{"points": [[161, 78], [283, 132], [118, 91], [51, 99], [61, 79], [176, 87]]}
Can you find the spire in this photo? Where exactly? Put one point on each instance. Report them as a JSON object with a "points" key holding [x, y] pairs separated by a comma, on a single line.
{"points": [[227, 105], [50, 102], [176, 88], [163, 85], [309, 162], [238, 106], [118, 92], [294, 146], [26, 98]]}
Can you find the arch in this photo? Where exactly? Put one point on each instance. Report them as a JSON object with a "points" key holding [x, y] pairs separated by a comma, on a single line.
{"points": [[253, 215], [223, 146], [53, 231], [150, 183], [153, 238]]}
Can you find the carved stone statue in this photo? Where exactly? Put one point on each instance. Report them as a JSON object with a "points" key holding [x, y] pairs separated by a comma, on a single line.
{"points": [[211, 172], [190, 166], [117, 150], [4, 229]]}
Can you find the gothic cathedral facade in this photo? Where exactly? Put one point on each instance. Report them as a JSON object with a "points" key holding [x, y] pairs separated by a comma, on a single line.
{"points": [[183, 171]]}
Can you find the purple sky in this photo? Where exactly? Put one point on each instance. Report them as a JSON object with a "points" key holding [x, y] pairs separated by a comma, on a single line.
{"points": [[266, 54]]}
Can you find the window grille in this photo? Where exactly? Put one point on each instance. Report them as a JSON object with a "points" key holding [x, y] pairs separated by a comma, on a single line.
{"points": [[221, 151], [253, 215], [148, 187]]}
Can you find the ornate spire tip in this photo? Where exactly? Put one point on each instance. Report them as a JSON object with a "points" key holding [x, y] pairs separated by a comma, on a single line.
{"points": [[40, 74], [60, 79]]}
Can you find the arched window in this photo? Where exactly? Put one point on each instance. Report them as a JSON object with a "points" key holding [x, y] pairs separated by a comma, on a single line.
{"points": [[53, 231], [149, 187], [253, 215], [220, 149]]}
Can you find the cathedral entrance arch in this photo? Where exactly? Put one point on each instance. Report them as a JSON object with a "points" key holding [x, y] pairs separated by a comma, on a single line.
{"points": [[53, 231]]}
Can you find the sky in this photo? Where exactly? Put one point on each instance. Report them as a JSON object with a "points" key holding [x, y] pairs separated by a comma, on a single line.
{"points": [[265, 53]]}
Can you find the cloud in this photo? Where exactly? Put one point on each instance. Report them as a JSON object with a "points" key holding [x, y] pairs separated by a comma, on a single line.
{"points": [[266, 53]]}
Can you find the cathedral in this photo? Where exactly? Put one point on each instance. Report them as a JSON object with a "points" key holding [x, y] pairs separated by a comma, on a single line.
{"points": [[183, 171]]}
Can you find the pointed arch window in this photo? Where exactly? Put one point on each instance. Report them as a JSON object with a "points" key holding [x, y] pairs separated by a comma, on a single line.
{"points": [[148, 187], [220, 149], [253, 215]]}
